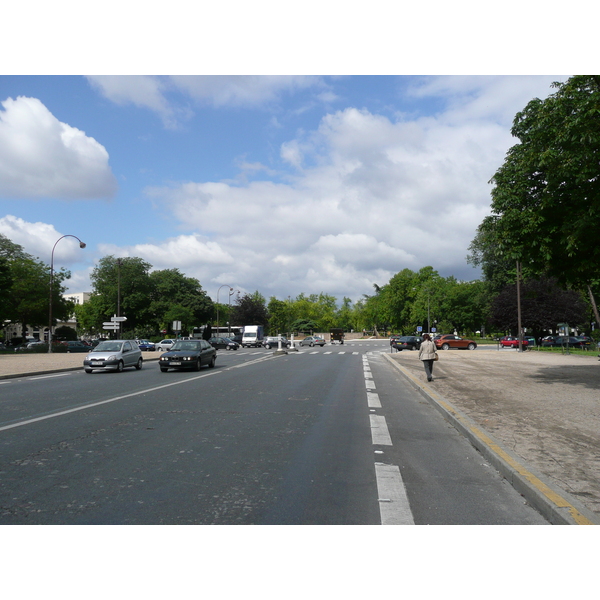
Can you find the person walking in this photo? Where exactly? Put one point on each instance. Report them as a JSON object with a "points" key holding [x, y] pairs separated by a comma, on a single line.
{"points": [[427, 355]]}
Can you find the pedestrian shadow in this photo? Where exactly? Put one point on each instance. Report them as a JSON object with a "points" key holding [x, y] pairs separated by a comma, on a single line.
{"points": [[586, 376]]}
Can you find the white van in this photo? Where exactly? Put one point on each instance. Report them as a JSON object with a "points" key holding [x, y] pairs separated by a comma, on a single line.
{"points": [[253, 336]]}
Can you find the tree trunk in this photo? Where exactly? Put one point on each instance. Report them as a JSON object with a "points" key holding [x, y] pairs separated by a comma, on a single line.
{"points": [[594, 305]]}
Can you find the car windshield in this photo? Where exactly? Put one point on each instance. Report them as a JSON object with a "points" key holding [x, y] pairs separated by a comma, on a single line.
{"points": [[186, 345], [108, 347]]}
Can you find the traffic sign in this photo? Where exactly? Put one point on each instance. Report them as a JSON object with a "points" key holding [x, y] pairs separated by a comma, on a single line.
{"points": [[111, 323], [112, 326], [118, 319]]}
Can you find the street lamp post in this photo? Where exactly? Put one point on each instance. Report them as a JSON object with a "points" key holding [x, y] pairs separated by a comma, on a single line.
{"points": [[230, 292], [81, 245]]}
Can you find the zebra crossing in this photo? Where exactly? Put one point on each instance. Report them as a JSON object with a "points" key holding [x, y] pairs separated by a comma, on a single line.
{"points": [[300, 351]]}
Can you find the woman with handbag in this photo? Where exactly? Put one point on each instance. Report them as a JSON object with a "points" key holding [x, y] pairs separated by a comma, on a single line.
{"points": [[428, 355]]}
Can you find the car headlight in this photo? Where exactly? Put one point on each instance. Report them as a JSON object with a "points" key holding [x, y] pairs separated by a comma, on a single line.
{"points": [[113, 357]]}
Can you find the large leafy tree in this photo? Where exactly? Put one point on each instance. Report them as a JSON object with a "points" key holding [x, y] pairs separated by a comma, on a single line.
{"points": [[169, 288], [121, 285], [26, 282], [544, 304], [250, 309], [546, 195]]}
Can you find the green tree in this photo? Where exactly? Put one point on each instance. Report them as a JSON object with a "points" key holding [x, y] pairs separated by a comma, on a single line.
{"points": [[544, 304], [27, 288], [250, 309], [279, 316], [125, 282], [546, 195], [169, 288]]}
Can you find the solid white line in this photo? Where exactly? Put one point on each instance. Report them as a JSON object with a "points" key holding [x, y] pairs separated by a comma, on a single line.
{"points": [[379, 431], [115, 399], [394, 507], [47, 376]]}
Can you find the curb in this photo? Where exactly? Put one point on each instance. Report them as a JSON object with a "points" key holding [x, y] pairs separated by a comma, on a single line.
{"points": [[553, 503]]}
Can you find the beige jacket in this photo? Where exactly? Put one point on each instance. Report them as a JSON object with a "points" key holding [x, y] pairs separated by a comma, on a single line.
{"points": [[427, 350]]}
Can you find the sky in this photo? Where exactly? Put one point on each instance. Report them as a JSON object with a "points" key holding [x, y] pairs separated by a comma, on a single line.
{"points": [[265, 148], [281, 184]]}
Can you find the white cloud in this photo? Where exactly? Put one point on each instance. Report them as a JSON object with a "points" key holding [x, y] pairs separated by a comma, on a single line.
{"points": [[374, 196], [40, 157], [38, 239], [158, 93], [187, 252]]}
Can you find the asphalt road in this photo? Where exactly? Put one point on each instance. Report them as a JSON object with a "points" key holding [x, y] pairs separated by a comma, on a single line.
{"points": [[327, 436]]}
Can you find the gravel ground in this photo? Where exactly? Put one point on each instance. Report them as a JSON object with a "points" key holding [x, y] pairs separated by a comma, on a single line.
{"points": [[545, 407]]}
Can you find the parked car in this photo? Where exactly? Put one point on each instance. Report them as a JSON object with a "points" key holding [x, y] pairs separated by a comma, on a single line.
{"points": [[585, 341], [564, 341], [113, 355], [165, 344], [146, 345], [34, 344], [407, 342], [188, 354], [312, 340], [273, 342], [447, 341], [76, 346], [222, 342], [508, 341], [3, 347], [394, 338]]}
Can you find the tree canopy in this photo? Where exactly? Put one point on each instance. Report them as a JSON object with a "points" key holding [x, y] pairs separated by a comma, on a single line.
{"points": [[546, 195]]}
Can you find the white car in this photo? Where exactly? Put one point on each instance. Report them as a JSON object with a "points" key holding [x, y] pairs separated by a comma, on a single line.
{"points": [[165, 345]]}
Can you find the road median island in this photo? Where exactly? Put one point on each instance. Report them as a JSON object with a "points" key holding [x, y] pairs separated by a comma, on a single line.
{"points": [[534, 409]]}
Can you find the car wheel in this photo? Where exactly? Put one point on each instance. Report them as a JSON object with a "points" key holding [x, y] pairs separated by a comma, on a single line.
{"points": [[311, 345], [138, 366], [197, 365], [267, 346], [120, 367], [472, 346], [445, 347], [211, 364]]}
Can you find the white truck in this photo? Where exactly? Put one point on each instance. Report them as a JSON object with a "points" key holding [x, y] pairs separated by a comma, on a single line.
{"points": [[253, 336]]}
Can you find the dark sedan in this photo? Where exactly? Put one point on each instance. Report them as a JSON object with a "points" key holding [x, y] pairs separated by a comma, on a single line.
{"points": [[188, 354], [407, 342], [564, 342], [223, 343], [76, 346]]}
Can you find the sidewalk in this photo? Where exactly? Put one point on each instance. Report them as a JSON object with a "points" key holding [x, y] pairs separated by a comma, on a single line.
{"points": [[533, 411], [21, 365]]}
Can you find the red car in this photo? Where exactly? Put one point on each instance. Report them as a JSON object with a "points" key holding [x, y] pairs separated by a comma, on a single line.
{"points": [[508, 341]]}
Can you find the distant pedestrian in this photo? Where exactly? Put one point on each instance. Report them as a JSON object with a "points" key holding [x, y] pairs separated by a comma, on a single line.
{"points": [[427, 355]]}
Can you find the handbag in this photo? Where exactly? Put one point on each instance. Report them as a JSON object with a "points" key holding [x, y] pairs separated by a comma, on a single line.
{"points": [[436, 356]]}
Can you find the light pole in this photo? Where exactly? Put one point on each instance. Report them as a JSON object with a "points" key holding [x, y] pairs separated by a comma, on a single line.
{"points": [[81, 245], [230, 292]]}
